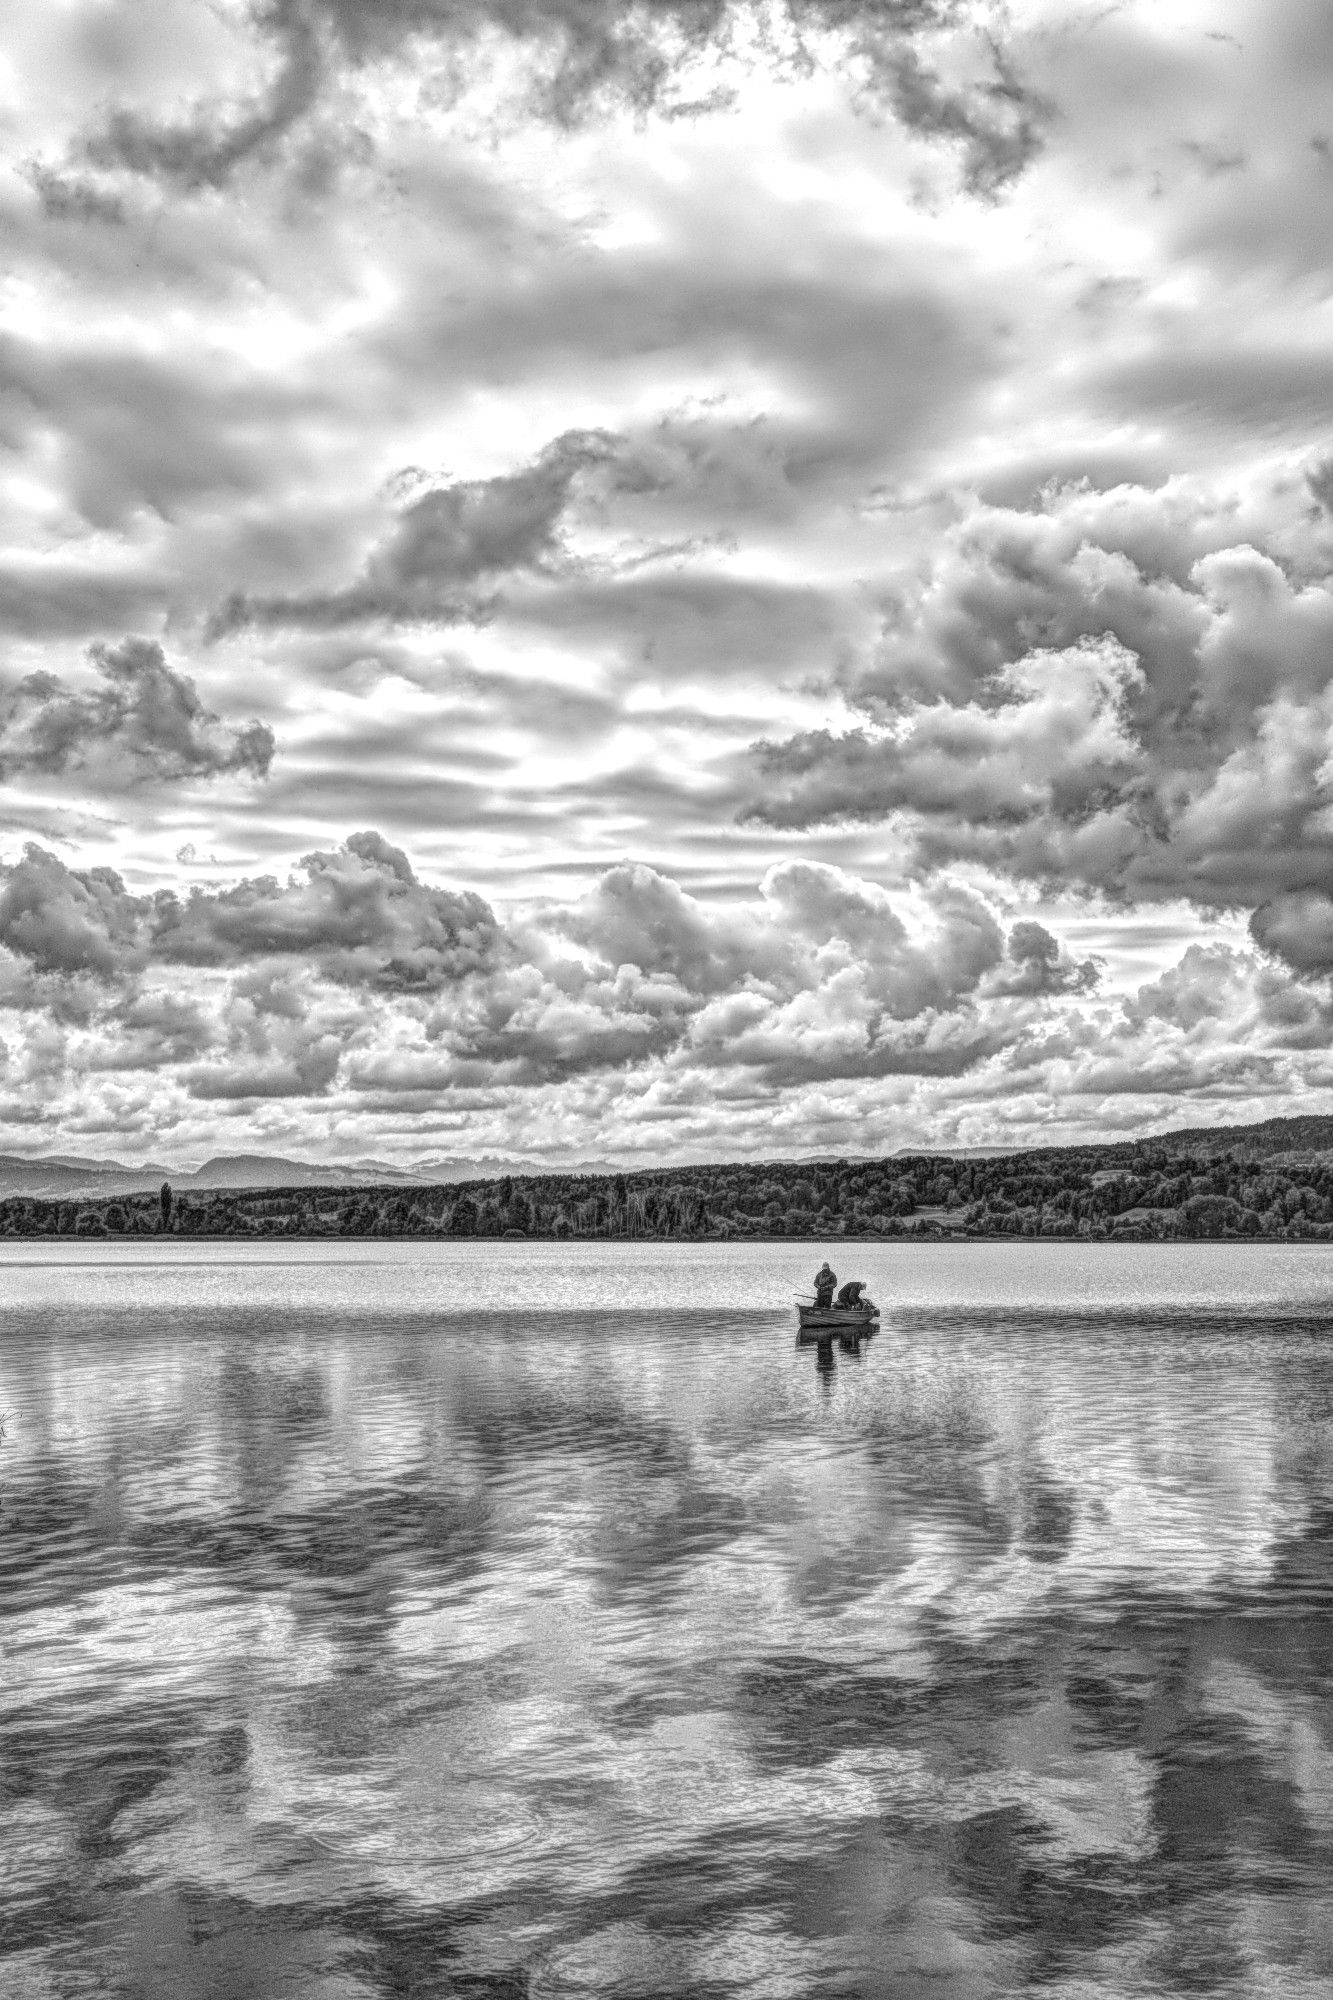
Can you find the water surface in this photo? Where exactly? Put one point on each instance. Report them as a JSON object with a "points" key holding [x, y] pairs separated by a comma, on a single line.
{"points": [[535, 1619]]}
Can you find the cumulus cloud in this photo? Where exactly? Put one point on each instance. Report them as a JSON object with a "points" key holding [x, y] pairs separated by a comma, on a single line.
{"points": [[1037, 963], [1297, 928], [355, 984], [1122, 692], [817, 974], [144, 713], [70, 938], [67, 920], [359, 915], [1051, 741], [637, 917]]}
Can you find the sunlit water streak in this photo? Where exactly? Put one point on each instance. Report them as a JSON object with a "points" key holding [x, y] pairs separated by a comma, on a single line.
{"points": [[539, 1619]]}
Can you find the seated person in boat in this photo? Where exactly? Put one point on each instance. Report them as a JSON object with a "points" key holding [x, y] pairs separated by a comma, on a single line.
{"points": [[825, 1281], [849, 1297]]}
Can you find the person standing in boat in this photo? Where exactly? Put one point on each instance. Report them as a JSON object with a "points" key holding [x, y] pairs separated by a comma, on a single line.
{"points": [[825, 1281]]}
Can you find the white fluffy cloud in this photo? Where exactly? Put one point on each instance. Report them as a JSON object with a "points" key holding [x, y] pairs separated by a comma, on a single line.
{"points": [[141, 720], [1122, 692], [818, 1010]]}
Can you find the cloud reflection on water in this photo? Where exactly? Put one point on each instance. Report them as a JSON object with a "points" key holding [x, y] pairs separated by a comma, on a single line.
{"points": [[363, 1653]]}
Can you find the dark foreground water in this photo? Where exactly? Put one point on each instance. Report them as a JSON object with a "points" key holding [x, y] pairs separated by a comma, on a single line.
{"points": [[538, 1620]]}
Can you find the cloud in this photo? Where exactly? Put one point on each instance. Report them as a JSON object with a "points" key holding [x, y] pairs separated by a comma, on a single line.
{"points": [[1298, 929], [131, 425], [1000, 123], [594, 57], [309, 1073], [1037, 963], [145, 715], [818, 975], [1050, 742], [639, 918], [52, 599], [944, 408], [807, 1014], [153, 1029], [65, 920], [444, 542], [681, 625], [1129, 692], [206, 148], [359, 915], [74, 197]]}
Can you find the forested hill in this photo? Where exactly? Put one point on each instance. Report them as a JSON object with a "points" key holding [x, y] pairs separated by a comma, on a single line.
{"points": [[1275, 1135], [1176, 1186]]}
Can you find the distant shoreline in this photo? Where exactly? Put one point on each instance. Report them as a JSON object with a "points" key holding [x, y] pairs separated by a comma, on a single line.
{"points": [[820, 1245], [1143, 1194]]}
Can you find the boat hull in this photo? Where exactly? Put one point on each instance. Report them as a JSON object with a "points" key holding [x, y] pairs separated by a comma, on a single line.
{"points": [[821, 1319]]}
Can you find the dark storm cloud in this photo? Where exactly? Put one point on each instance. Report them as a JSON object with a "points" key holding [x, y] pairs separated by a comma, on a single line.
{"points": [[143, 712]]}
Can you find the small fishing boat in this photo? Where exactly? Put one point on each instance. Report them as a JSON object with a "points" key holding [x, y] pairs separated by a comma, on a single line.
{"points": [[822, 1321]]}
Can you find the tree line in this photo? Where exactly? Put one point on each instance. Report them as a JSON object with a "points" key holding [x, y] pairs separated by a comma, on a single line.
{"points": [[1137, 1192]]}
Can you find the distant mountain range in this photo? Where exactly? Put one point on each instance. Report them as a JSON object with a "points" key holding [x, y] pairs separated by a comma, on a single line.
{"points": [[73, 1175], [63, 1174]]}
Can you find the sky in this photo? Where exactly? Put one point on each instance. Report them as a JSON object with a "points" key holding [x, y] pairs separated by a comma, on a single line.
{"points": [[667, 582]]}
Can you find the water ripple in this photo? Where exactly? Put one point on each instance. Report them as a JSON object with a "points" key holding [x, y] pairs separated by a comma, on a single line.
{"points": [[355, 1645]]}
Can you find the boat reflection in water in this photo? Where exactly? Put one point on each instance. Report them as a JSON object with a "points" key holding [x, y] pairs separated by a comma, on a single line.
{"points": [[819, 1326]]}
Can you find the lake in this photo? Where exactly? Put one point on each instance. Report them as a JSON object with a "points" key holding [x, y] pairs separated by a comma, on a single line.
{"points": [[529, 1619]]}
